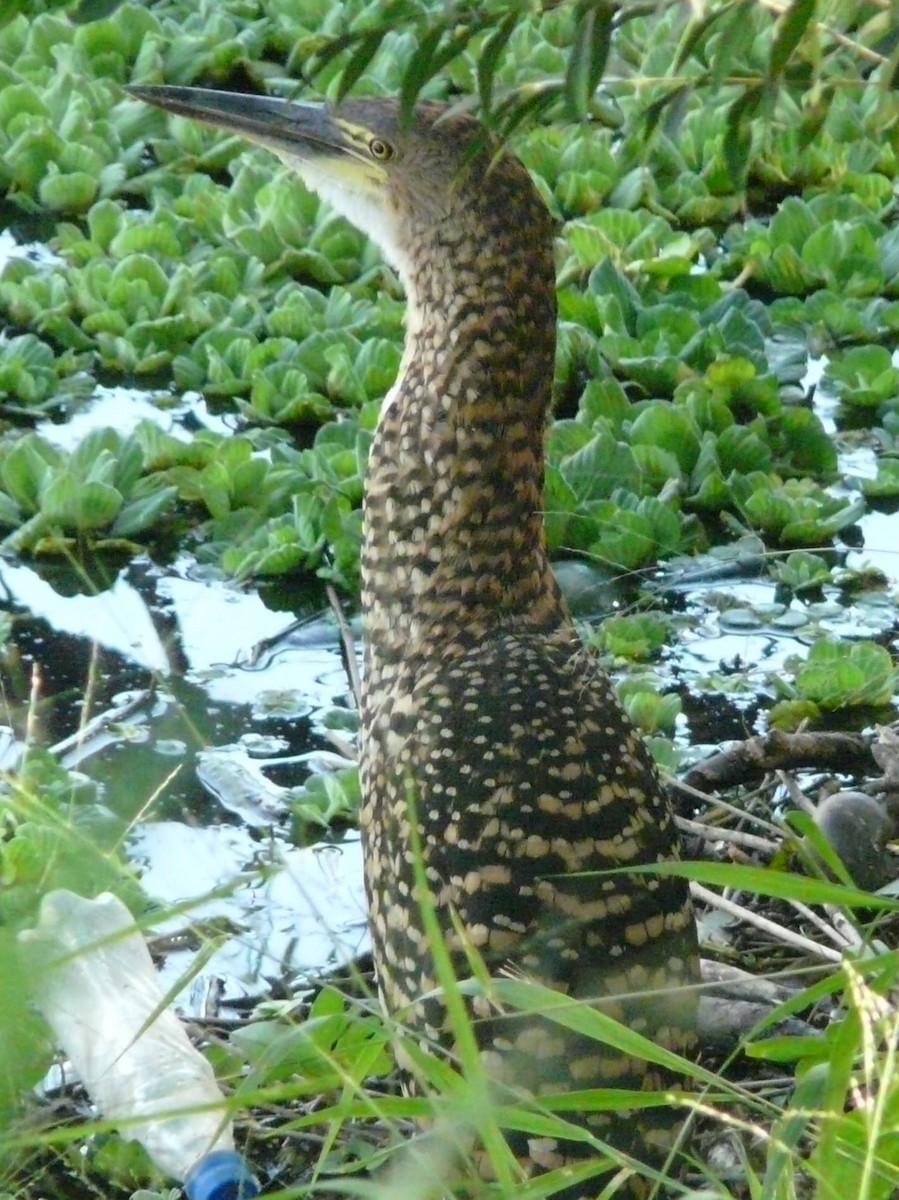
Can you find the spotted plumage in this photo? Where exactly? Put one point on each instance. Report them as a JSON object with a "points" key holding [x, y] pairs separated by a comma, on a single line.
{"points": [[479, 696], [484, 716]]}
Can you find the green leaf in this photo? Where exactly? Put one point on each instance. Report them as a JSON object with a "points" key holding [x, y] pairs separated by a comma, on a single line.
{"points": [[664, 426], [790, 715], [864, 377], [430, 58], [845, 674], [490, 54], [699, 27], [632, 533], [761, 881], [140, 513], [788, 34], [25, 1047], [72, 192], [26, 470], [363, 52], [650, 712], [594, 471], [635, 637], [534, 998], [801, 571], [885, 484], [805, 1104], [326, 798], [81, 506], [588, 55], [738, 135], [10, 513]]}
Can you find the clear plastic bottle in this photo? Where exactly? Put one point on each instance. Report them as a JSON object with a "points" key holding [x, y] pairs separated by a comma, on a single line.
{"points": [[98, 990]]}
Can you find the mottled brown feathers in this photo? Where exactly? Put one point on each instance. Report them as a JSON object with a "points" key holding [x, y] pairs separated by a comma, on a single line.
{"points": [[478, 694], [479, 701]]}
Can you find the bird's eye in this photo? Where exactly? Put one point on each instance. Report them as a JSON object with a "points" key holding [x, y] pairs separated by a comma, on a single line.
{"points": [[380, 150]]}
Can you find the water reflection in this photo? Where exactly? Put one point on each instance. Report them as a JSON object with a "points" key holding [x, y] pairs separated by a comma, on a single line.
{"points": [[290, 912]]}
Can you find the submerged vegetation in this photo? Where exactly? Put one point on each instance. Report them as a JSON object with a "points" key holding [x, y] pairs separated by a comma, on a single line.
{"points": [[723, 179]]}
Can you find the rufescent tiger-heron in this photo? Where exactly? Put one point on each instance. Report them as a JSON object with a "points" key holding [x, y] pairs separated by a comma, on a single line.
{"points": [[486, 721]]}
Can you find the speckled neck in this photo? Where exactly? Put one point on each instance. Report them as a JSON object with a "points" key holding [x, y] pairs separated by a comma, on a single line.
{"points": [[454, 541]]}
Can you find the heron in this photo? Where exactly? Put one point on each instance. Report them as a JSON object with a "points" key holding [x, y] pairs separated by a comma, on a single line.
{"points": [[498, 768]]}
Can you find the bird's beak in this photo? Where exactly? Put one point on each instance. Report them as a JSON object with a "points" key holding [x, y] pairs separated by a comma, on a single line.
{"points": [[285, 126]]}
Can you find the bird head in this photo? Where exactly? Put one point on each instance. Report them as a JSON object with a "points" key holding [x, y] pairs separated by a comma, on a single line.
{"points": [[390, 176]]}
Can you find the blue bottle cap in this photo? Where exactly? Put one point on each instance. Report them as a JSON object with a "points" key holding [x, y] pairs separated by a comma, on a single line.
{"points": [[222, 1175]]}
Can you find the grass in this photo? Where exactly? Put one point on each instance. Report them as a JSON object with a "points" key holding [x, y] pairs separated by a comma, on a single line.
{"points": [[726, 219], [313, 1079]]}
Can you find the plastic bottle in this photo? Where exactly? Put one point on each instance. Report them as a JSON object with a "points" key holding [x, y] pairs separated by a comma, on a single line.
{"points": [[98, 990]]}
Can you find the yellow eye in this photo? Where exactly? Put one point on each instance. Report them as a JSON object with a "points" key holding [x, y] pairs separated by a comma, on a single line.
{"points": [[380, 150]]}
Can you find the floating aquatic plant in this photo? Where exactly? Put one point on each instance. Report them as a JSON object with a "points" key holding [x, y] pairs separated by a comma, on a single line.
{"points": [[96, 494]]}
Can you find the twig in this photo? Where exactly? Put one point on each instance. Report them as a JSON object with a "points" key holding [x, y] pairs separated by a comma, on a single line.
{"points": [[843, 925], [90, 690], [829, 931], [713, 833], [342, 745], [349, 644], [31, 719], [101, 721], [688, 790], [795, 792], [780, 932], [756, 756]]}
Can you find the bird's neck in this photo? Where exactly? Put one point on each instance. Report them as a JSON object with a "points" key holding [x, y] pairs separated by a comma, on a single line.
{"points": [[454, 538]]}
